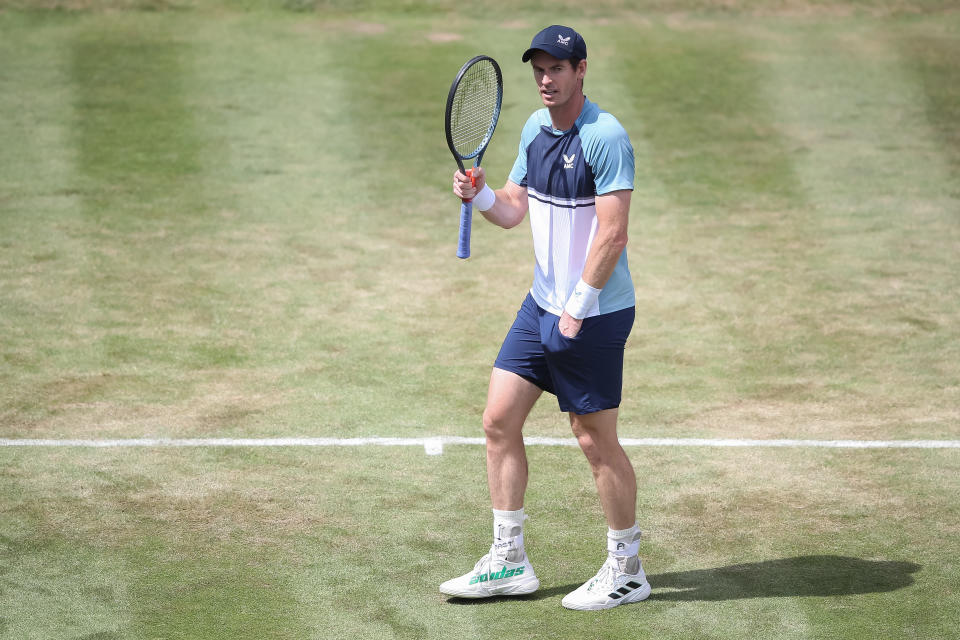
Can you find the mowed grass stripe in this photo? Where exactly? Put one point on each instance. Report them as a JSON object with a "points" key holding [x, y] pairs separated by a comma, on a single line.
{"points": [[91, 304], [931, 55], [775, 310], [145, 301], [711, 139], [38, 251], [35, 99], [880, 331], [181, 282], [141, 163], [697, 89], [152, 323], [134, 130]]}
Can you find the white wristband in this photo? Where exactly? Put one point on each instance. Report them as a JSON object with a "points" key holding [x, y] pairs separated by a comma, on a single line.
{"points": [[582, 300], [485, 199]]}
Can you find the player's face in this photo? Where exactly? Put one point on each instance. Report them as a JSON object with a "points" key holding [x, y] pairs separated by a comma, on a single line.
{"points": [[558, 80]]}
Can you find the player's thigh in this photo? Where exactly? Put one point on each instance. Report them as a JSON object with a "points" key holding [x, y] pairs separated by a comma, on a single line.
{"points": [[598, 428], [510, 397]]}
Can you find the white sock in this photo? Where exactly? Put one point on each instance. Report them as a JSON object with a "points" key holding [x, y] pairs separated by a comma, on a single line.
{"points": [[508, 534]]}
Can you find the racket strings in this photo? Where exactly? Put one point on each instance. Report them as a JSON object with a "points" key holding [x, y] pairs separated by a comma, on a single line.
{"points": [[475, 106]]}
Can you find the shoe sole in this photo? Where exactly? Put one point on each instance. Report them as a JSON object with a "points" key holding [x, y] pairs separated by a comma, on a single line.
{"points": [[635, 596], [519, 589]]}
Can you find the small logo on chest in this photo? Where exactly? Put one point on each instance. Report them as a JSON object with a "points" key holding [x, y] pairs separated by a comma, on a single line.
{"points": [[568, 161]]}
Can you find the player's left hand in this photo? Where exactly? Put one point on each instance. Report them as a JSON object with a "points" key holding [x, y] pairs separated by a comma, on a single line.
{"points": [[569, 326]]}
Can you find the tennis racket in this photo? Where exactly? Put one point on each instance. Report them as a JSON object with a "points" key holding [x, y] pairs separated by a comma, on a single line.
{"points": [[473, 107]]}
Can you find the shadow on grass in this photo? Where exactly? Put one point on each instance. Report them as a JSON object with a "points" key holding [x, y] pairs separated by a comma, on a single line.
{"points": [[788, 577], [803, 576]]}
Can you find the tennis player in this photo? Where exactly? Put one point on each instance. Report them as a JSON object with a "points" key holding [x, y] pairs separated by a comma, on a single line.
{"points": [[574, 174]]}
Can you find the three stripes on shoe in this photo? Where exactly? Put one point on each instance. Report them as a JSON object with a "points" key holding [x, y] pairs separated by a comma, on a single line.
{"points": [[624, 590]]}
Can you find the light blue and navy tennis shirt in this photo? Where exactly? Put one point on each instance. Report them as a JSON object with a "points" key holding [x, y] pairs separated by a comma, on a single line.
{"points": [[563, 172]]}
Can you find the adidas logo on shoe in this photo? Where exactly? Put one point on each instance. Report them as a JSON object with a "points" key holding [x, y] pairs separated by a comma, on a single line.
{"points": [[500, 575]]}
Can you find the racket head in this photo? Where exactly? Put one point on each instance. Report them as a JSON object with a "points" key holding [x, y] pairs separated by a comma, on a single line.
{"points": [[473, 108]]}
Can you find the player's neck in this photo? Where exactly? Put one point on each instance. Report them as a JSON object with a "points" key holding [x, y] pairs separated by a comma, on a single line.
{"points": [[564, 116]]}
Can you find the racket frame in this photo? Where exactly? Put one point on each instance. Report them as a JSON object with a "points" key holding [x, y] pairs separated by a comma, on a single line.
{"points": [[466, 207]]}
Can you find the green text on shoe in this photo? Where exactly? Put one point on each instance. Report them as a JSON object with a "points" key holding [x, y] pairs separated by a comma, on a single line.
{"points": [[499, 575]]}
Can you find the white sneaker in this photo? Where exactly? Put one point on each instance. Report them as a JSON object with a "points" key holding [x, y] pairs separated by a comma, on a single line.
{"points": [[611, 586], [493, 576]]}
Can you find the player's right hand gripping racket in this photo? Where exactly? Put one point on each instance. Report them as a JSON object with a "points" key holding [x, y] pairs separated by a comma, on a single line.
{"points": [[473, 107]]}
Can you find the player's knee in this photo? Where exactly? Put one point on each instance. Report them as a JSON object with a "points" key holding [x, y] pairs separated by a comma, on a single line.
{"points": [[499, 427], [495, 425], [588, 444], [594, 445]]}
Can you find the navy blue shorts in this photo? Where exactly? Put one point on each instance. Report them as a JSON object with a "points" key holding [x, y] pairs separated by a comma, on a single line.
{"points": [[584, 372]]}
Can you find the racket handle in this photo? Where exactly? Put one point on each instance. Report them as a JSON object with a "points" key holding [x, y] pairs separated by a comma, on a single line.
{"points": [[466, 222], [473, 183]]}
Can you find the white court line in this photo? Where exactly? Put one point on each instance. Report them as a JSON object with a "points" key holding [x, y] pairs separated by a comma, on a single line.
{"points": [[434, 445]]}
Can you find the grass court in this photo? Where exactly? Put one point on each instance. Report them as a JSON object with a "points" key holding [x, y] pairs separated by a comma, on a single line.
{"points": [[233, 219]]}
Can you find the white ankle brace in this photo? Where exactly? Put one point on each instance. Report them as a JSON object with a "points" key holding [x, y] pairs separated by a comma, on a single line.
{"points": [[508, 534], [624, 542]]}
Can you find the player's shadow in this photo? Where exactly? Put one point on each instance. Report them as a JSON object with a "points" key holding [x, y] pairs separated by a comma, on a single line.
{"points": [[788, 577]]}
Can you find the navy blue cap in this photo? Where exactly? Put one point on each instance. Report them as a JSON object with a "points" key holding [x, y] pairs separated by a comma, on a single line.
{"points": [[561, 42]]}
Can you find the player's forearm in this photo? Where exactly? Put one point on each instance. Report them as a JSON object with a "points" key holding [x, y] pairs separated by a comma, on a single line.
{"points": [[604, 254], [605, 251], [509, 205], [506, 212], [609, 240]]}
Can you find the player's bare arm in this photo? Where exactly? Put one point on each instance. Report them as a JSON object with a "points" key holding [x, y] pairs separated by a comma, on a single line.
{"points": [[510, 206], [613, 216]]}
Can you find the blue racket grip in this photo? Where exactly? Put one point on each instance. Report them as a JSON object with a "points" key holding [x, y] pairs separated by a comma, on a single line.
{"points": [[466, 222]]}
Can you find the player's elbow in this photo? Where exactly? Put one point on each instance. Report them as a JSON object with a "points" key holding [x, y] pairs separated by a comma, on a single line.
{"points": [[617, 240], [511, 222], [513, 213]]}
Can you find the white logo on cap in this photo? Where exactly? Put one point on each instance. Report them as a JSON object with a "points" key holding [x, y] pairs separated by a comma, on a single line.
{"points": [[563, 41]]}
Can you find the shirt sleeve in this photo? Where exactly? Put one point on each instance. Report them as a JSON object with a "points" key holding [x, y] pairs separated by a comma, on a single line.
{"points": [[518, 175], [608, 151]]}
